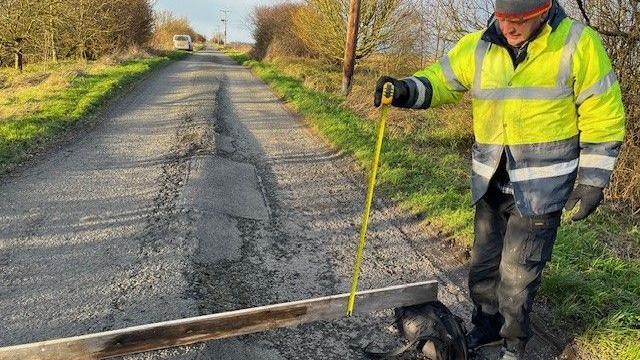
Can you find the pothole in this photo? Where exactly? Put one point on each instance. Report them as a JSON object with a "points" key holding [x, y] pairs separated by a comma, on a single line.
{"points": [[167, 229]]}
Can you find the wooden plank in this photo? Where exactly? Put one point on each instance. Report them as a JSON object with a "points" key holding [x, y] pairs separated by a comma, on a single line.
{"points": [[218, 326]]}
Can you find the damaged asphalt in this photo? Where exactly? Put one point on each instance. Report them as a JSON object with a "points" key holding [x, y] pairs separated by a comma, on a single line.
{"points": [[199, 192]]}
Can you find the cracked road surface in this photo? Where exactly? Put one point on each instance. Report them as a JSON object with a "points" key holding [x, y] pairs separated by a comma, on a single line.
{"points": [[199, 192]]}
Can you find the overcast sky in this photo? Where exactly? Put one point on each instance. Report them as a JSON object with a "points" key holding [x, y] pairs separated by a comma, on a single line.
{"points": [[205, 15]]}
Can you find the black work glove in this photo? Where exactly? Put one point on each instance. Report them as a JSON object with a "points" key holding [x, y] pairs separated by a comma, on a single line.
{"points": [[589, 196], [400, 91]]}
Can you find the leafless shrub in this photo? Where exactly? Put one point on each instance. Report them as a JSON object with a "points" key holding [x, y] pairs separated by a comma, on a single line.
{"points": [[166, 25], [322, 26], [274, 32], [618, 22], [217, 38], [433, 26], [52, 29]]}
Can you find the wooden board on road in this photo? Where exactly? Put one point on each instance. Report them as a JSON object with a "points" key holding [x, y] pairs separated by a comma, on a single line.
{"points": [[218, 326]]}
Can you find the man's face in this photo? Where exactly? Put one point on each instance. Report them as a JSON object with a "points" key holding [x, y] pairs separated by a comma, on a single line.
{"points": [[517, 32]]}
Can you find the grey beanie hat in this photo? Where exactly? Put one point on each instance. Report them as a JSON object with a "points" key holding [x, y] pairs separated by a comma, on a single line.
{"points": [[521, 9]]}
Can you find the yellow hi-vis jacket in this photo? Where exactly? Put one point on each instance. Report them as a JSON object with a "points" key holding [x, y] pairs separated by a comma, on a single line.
{"points": [[558, 116]]}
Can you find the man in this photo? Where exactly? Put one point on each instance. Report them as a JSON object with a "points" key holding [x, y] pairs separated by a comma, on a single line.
{"points": [[548, 115]]}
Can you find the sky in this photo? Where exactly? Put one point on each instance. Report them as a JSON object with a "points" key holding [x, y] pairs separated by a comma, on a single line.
{"points": [[205, 15]]}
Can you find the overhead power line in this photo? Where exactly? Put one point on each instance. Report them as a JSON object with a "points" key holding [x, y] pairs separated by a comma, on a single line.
{"points": [[225, 20]]}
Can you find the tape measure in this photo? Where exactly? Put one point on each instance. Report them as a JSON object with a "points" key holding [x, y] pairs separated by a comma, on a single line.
{"points": [[387, 97]]}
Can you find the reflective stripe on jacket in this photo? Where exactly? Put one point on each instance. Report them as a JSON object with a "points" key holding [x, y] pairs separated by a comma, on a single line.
{"points": [[558, 115]]}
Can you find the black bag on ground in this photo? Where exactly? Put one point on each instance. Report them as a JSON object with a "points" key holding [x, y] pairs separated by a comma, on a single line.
{"points": [[432, 329]]}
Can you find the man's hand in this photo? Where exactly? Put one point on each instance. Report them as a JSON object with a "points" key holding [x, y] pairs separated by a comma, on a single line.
{"points": [[400, 93], [589, 196]]}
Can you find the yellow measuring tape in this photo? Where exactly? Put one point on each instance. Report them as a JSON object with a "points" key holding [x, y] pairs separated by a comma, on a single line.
{"points": [[387, 97]]}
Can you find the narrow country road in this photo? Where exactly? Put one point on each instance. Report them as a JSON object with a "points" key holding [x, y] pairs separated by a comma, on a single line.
{"points": [[199, 192]]}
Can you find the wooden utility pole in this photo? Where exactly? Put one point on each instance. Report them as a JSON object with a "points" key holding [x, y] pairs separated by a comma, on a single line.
{"points": [[350, 47], [225, 20]]}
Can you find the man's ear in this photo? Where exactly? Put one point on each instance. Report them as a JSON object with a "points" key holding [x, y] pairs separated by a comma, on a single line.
{"points": [[543, 17]]}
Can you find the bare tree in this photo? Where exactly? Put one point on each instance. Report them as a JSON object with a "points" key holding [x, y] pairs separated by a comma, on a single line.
{"points": [[322, 26], [20, 22], [464, 16], [435, 25], [49, 29]]}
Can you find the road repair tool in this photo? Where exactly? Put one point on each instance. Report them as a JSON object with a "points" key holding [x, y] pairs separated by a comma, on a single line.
{"points": [[387, 98], [193, 330]]}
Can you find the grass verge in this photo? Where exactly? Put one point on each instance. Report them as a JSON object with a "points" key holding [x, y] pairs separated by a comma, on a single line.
{"points": [[593, 281], [40, 105]]}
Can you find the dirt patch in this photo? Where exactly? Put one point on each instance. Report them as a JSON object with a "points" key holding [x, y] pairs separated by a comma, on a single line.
{"points": [[31, 80], [133, 53], [623, 247], [624, 242], [573, 351], [4, 82]]}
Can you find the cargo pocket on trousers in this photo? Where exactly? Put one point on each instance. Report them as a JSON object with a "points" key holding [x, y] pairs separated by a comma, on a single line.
{"points": [[542, 235]]}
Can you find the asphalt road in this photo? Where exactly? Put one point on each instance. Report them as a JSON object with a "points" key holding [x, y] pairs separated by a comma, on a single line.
{"points": [[199, 192]]}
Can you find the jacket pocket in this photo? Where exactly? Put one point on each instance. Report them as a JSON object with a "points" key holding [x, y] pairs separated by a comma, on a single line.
{"points": [[538, 246]]}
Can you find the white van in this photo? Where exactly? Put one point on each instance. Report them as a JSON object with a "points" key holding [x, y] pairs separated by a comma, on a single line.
{"points": [[182, 42]]}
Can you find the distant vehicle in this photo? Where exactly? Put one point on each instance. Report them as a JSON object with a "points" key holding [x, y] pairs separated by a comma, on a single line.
{"points": [[182, 42]]}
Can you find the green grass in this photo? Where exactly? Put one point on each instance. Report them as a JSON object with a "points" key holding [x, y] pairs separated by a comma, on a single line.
{"points": [[34, 115], [238, 56], [596, 288], [592, 287]]}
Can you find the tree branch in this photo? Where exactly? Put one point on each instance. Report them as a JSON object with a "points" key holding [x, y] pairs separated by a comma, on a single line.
{"points": [[584, 12]]}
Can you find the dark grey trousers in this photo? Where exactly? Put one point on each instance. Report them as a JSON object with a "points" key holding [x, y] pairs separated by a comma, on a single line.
{"points": [[508, 256]]}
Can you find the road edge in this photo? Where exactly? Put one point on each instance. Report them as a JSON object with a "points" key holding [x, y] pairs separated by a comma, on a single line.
{"points": [[87, 122]]}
